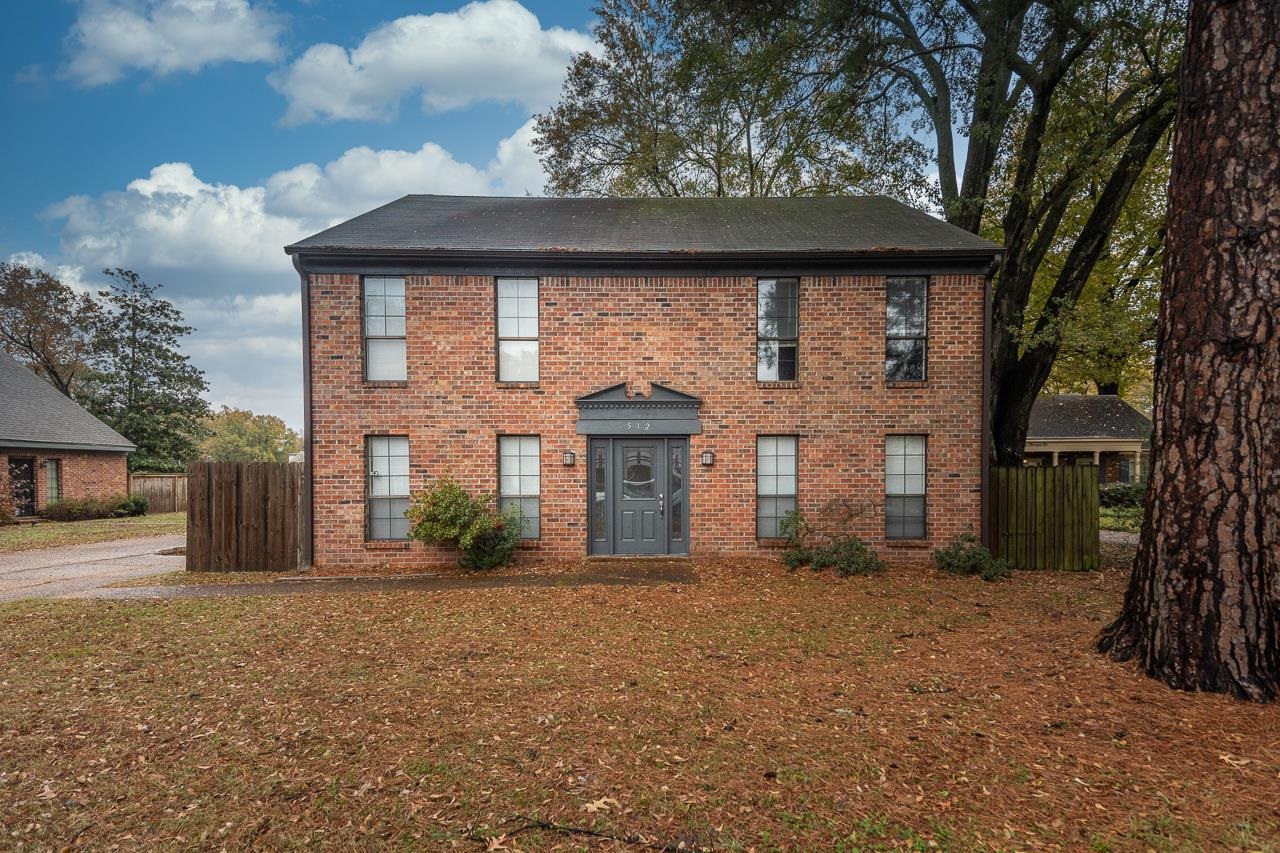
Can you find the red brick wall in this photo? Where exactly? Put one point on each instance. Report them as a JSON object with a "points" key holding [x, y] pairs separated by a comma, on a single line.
{"points": [[85, 474], [692, 334]]}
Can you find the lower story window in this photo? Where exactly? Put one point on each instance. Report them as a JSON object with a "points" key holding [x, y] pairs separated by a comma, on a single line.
{"points": [[904, 486], [775, 482], [520, 479], [387, 492], [53, 479]]}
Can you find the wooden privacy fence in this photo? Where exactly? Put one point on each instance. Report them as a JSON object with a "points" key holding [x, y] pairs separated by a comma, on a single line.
{"points": [[164, 492], [243, 516], [1045, 517]]}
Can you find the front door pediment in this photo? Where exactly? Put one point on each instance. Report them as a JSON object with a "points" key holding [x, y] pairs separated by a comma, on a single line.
{"points": [[664, 412]]}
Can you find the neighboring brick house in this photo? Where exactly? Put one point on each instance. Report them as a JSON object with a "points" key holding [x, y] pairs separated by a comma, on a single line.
{"points": [[644, 376], [1090, 429], [51, 447]]}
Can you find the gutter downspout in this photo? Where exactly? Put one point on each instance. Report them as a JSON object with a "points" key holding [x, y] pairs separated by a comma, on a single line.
{"points": [[988, 293], [306, 532]]}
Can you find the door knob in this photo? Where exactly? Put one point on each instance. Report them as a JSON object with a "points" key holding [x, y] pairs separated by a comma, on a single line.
{"points": [[661, 505]]}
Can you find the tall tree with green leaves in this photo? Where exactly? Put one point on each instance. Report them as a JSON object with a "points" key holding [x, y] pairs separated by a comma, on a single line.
{"points": [[47, 326], [142, 385], [238, 435], [1038, 119], [678, 103]]}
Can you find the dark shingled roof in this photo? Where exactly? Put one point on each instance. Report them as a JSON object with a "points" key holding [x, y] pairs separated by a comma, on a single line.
{"points": [[1086, 416], [35, 414], [861, 225]]}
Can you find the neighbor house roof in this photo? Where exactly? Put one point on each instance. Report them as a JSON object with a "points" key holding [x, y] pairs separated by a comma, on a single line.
{"points": [[647, 227], [37, 415], [1086, 416]]}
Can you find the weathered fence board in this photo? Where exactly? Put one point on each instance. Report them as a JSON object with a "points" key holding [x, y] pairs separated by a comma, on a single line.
{"points": [[1046, 517], [164, 492], [243, 516]]}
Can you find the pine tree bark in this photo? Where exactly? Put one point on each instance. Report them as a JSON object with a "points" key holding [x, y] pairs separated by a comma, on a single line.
{"points": [[1202, 611]]}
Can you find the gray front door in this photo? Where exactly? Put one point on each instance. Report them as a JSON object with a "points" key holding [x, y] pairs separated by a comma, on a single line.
{"points": [[638, 495], [641, 502]]}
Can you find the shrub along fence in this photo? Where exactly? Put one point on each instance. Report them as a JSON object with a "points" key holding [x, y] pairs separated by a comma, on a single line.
{"points": [[243, 516], [1045, 517], [164, 492]]}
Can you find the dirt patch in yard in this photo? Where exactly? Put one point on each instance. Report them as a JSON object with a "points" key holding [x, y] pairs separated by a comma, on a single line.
{"points": [[754, 710]]}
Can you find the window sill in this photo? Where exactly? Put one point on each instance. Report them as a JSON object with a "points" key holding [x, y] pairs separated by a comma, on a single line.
{"points": [[907, 383], [906, 543], [386, 383], [386, 545], [517, 385], [781, 383], [770, 542]]}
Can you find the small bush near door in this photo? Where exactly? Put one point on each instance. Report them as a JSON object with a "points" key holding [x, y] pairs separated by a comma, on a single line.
{"points": [[967, 556], [85, 509], [446, 514], [846, 554]]}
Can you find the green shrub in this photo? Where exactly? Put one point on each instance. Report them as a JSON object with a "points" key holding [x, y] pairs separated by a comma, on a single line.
{"points": [[130, 506], [445, 514], [847, 554], [84, 509], [967, 556], [1122, 494]]}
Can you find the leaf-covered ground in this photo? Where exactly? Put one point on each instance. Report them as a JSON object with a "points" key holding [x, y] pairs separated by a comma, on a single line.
{"points": [[754, 710], [54, 534]]}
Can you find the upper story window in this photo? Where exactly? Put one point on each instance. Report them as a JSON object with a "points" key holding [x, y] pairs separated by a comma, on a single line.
{"points": [[906, 329], [384, 335], [517, 330], [387, 486], [777, 329]]}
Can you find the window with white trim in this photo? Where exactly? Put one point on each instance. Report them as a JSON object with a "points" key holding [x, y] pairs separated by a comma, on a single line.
{"points": [[384, 329], [905, 462], [53, 480], [387, 486], [906, 329], [520, 479], [517, 330], [775, 482]]}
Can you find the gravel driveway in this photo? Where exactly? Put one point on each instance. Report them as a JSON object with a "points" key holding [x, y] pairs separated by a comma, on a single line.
{"points": [[54, 572]]}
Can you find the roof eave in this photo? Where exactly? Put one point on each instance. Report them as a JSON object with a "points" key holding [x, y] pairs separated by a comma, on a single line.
{"points": [[66, 445], [973, 254]]}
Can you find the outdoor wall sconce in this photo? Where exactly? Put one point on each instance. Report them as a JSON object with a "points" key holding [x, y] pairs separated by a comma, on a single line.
{"points": [[570, 457], [708, 457]]}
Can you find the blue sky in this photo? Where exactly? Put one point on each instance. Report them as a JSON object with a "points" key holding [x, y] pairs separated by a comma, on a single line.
{"points": [[189, 140]]}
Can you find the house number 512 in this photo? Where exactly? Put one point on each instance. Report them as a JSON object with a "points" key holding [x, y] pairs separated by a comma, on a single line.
{"points": [[642, 426]]}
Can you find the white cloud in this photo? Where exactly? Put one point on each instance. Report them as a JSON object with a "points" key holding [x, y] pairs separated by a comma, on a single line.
{"points": [[218, 248], [162, 37], [492, 50], [71, 275], [198, 234]]}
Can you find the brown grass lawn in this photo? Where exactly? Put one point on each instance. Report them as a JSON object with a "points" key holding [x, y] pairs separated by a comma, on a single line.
{"points": [[54, 534], [754, 710]]}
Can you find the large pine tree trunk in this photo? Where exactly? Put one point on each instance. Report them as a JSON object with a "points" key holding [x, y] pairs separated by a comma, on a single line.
{"points": [[1203, 607]]}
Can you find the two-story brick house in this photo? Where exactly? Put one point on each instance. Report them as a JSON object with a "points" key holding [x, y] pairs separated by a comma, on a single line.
{"points": [[643, 376]]}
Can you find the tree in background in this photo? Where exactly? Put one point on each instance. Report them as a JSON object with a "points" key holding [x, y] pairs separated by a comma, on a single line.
{"points": [[1202, 611], [679, 104], [47, 326], [142, 386], [238, 435], [1060, 103], [1107, 341]]}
